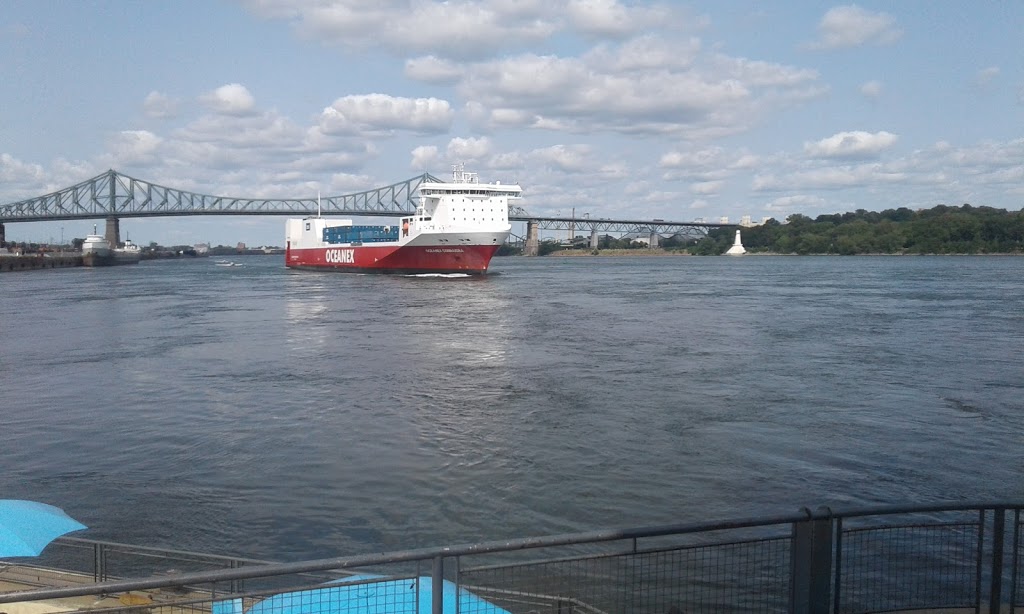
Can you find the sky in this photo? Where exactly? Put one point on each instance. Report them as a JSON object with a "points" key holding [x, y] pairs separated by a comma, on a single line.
{"points": [[672, 110]]}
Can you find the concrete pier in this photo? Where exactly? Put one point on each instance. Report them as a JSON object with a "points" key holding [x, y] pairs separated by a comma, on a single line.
{"points": [[653, 240], [113, 233], [593, 239], [532, 247]]}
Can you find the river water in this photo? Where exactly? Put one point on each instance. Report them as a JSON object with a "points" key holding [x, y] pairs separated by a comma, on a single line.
{"points": [[264, 412]]}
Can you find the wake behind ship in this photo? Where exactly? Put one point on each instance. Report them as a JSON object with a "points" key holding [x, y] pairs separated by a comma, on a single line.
{"points": [[457, 228]]}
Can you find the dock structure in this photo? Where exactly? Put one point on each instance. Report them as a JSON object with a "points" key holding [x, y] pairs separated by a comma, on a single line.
{"points": [[949, 558], [28, 262]]}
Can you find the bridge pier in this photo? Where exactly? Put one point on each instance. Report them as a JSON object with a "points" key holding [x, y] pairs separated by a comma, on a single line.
{"points": [[3, 237], [113, 233], [532, 247], [653, 240], [593, 238]]}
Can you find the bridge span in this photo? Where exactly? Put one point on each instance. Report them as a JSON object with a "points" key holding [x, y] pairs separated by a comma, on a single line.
{"points": [[113, 195]]}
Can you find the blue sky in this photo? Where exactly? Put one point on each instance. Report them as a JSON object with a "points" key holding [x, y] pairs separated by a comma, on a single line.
{"points": [[672, 110]]}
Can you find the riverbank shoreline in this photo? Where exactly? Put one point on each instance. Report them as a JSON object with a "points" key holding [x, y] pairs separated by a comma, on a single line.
{"points": [[663, 253]]}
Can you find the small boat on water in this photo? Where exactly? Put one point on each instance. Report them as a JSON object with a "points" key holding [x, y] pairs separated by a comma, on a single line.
{"points": [[226, 263], [457, 227]]}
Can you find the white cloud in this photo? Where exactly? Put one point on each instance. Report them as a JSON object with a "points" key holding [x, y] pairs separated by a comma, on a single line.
{"points": [[159, 106], [13, 170], [852, 26], [230, 99], [566, 158], [607, 90], [711, 164], [430, 69], [828, 178], [424, 157], [384, 113], [471, 149], [134, 147], [467, 29], [986, 75], [707, 188], [871, 89], [855, 144], [788, 204], [647, 52], [460, 28], [613, 19]]}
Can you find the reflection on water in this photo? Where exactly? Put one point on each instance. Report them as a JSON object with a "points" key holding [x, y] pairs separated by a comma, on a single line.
{"points": [[290, 414]]}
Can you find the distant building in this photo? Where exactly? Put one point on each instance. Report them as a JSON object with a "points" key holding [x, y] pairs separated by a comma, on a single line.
{"points": [[745, 221], [201, 248], [724, 219], [241, 247]]}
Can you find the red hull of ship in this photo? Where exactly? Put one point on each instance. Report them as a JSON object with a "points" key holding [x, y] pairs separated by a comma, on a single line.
{"points": [[409, 259]]}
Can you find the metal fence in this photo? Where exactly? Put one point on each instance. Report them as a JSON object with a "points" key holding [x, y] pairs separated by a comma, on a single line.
{"points": [[963, 557]]}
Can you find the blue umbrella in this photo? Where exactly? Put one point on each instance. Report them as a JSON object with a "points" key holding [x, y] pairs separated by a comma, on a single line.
{"points": [[26, 527], [376, 597]]}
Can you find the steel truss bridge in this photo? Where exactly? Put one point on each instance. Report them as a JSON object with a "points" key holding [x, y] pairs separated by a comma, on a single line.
{"points": [[115, 195]]}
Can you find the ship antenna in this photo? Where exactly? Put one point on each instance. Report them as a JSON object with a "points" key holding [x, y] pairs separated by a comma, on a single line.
{"points": [[318, 203]]}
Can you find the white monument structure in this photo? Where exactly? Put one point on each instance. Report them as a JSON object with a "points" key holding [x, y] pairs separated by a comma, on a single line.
{"points": [[737, 247]]}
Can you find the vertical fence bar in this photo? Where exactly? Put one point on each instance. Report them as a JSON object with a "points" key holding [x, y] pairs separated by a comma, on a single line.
{"points": [[437, 587], [99, 562], [811, 556], [800, 561], [995, 596], [821, 564], [458, 583], [838, 583], [1014, 566], [235, 585], [981, 554]]}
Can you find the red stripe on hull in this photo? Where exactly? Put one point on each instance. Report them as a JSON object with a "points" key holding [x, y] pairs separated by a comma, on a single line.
{"points": [[472, 259]]}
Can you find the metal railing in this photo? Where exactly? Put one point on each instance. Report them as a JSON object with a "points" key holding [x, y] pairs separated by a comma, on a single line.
{"points": [[956, 556]]}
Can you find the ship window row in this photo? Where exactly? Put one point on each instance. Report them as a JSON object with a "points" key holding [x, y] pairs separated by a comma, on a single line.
{"points": [[473, 192]]}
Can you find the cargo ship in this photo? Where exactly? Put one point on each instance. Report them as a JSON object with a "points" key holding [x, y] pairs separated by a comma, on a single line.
{"points": [[96, 251], [457, 227]]}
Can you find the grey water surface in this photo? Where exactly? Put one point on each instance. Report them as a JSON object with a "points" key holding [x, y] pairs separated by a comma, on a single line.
{"points": [[264, 412]]}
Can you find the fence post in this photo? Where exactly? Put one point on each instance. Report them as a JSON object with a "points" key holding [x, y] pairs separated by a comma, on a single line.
{"points": [[811, 560], [99, 562], [995, 596], [437, 586]]}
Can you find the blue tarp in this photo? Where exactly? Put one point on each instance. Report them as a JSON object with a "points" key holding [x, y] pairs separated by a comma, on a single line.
{"points": [[26, 527], [365, 595]]}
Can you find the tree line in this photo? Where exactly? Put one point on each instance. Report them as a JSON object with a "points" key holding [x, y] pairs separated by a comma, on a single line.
{"points": [[940, 230]]}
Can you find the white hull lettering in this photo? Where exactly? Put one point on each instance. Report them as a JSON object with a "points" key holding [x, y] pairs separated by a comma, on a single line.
{"points": [[340, 256]]}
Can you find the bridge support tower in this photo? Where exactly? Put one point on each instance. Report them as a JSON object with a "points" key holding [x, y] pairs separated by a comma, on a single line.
{"points": [[654, 238], [593, 238], [532, 247], [113, 233], [3, 237]]}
